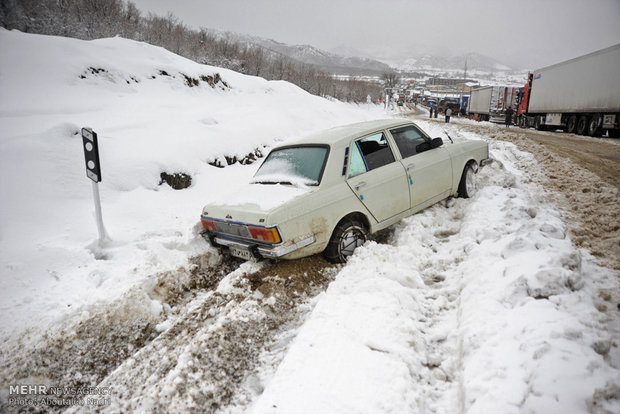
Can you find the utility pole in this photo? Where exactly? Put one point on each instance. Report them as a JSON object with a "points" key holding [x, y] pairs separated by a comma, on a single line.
{"points": [[464, 81]]}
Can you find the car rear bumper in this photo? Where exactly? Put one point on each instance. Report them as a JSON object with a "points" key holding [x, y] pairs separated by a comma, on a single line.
{"points": [[254, 251]]}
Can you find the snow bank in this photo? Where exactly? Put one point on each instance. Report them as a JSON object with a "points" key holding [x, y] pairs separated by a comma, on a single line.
{"points": [[154, 112]]}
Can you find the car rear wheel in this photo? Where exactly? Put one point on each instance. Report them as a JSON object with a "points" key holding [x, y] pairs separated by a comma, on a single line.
{"points": [[467, 186], [348, 235]]}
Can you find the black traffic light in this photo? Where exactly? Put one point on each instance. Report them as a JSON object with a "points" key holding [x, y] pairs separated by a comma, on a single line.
{"points": [[91, 154]]}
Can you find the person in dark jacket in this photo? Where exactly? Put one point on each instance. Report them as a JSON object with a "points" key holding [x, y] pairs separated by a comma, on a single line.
{"points": [[509, 113]]}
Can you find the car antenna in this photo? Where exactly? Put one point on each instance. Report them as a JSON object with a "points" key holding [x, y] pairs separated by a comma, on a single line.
{"points": [[449, 137]]}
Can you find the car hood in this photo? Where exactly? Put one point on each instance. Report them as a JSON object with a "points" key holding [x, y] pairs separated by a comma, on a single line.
{"points": [[255, 203]]}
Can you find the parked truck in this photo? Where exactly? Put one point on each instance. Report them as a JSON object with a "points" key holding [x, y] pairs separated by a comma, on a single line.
{"points": [[580, 95], [464, 102], [489, 103]]}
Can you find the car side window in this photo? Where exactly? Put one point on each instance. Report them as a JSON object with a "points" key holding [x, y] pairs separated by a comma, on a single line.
{"points": [[410, 140], [358, 164], [375, 151]]}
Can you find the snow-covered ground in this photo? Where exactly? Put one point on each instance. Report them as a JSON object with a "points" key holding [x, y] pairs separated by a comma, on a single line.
{"points": [[473, 306]]}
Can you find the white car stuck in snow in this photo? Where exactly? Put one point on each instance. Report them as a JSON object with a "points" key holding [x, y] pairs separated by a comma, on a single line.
{"points": [[328, 192]]}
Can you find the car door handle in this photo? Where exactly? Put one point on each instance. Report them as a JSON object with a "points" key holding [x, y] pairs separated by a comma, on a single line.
{"points": [[409, 167], [360, 185]]}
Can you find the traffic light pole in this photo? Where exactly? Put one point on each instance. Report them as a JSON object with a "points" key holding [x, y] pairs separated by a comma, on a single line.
{"points": [[100, 228]]}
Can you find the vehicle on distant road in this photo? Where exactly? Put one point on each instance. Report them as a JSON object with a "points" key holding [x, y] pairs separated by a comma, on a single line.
{"points": [[580, 95], [328, 192], [453, 104], [489, 103]]}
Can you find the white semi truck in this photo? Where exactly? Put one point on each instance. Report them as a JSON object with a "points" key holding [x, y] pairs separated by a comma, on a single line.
{"points": [[489, 103], [580, 95]]}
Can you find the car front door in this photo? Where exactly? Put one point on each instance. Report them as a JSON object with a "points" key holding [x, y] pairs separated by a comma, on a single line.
{"points": [[376, 178], [429, 170]]}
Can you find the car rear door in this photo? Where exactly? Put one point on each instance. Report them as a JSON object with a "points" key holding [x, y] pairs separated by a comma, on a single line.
{"points": [[376, 178], [429, 170]]}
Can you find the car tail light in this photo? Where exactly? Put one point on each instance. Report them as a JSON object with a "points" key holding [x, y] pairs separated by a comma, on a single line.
{"points": [[265, 234], [207, 224]]}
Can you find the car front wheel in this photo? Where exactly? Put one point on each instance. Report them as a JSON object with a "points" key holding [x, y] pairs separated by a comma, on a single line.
{"points": [[467, 186], [348, 235]]}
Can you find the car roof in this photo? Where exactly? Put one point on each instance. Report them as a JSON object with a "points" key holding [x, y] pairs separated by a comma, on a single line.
{"points": [[344, 133]]}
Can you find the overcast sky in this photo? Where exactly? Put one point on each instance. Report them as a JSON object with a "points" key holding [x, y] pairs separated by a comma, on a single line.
{"points": [[528, 33]]}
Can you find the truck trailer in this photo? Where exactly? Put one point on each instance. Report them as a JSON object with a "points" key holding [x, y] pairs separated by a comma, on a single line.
{"points": [[580, 95], [489, 103]]}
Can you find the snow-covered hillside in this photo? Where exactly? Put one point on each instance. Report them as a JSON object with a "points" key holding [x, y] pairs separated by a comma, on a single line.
{"points": [[154, 112]]}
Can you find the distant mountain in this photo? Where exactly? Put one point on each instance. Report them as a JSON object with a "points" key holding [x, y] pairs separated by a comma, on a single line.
{"points": [[475, 63], [330, 62], [345, 60], [348, 51], [327, 61]]}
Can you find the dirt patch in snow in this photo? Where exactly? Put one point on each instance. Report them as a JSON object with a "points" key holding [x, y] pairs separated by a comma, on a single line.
{"points": [[292, 278]]}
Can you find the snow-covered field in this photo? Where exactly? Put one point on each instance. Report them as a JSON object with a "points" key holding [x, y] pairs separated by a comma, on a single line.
{"points": [[481, 305]]}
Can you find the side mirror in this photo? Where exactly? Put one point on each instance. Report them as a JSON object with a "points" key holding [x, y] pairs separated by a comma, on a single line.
{"points": [[424, 146], [436, 142]]}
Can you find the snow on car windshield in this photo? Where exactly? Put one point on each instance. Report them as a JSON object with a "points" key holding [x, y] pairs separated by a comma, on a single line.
{"points": [[293, 165]]}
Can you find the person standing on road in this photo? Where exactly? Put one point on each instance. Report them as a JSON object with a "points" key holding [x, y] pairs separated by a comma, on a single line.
{"points": [[448, 114], [509, 113], [430, 113]]}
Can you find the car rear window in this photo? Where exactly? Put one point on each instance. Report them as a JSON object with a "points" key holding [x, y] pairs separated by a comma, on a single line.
{"points": [[293, 165]]}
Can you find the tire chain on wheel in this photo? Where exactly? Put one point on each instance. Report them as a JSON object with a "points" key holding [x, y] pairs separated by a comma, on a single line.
{"points": [[332, 252]]}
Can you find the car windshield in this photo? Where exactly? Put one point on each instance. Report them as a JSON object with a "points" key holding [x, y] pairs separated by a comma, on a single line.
{"points": [[293, 165]]}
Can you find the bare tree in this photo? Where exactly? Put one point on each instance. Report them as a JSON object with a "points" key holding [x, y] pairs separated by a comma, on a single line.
{"points": [[254, 58], [390, 79]]}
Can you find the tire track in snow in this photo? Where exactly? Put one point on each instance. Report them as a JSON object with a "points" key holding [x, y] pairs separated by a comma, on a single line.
{"points": [[446, 249], [444, 386], [441, 308]]}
